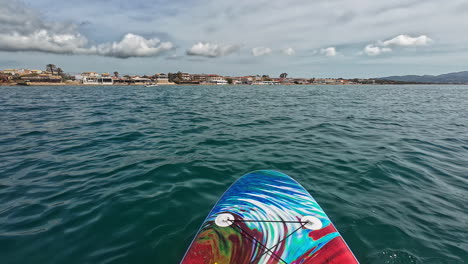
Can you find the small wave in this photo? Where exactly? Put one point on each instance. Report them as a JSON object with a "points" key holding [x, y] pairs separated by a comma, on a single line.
{"points": [[99, 175], [33, 133]]}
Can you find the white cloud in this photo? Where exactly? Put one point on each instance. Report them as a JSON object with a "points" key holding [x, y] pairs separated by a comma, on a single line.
{"points": [[408, 41], [373, 50], [28, 31], [211, 49], [42, 40], [288, 51], [398, 41], [329, 52], [131, 46], [260, 51], [74, 43]]}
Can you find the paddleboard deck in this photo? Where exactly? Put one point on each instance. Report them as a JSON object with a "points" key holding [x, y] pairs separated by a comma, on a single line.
{"points": [[267, 217]]}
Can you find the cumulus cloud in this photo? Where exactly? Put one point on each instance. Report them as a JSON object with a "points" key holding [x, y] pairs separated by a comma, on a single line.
{"points": [[373, 50], [43, 40], [260, 51], [74, 43], [329, 52], [211, 49], [398, 41], [131, 46], [408, 41], [22, 29], [288, 51]]}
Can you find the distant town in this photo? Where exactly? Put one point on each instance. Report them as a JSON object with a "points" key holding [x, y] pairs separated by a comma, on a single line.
{"points": [[53, 75]]}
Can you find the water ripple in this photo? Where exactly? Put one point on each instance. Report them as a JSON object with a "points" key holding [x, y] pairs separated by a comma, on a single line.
{"points": [[118, 175]]}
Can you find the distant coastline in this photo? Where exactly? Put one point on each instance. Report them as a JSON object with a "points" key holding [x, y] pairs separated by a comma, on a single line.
{"points": [[207, 84], [55, 76]]}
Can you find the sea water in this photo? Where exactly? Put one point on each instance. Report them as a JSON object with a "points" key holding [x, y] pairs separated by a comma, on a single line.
{"points": [[127, 174]]}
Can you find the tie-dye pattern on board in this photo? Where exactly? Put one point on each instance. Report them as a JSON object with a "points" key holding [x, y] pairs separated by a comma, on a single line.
{"points": [[267, 196]]}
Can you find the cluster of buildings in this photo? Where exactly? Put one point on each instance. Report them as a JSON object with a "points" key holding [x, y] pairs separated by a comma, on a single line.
{"points": [[94, 78], [27, 75]]}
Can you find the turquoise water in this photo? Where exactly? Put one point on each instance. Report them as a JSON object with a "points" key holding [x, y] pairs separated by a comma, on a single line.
{"points": [[127, 174]]}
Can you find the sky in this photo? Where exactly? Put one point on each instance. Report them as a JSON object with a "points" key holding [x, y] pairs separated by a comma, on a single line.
{"points": [[304, 38]]}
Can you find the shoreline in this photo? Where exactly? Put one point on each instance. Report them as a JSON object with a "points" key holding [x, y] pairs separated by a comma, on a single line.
{"points": [[94, 85], [75, 83]]}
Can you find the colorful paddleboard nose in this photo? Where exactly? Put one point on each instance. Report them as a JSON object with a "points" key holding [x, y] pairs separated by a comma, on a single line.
{"points": [[267, 217]]}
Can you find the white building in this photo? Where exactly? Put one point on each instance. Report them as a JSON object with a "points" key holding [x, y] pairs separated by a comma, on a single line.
{"points": [[163, 78], [216, 79], [186, 77], [219, 82], [89, 80], [141, 80], [93, 78], [105, 80]]}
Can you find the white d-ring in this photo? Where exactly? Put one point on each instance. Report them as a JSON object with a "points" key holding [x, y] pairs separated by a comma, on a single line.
{"points": [[224, 220], [313, 222]]}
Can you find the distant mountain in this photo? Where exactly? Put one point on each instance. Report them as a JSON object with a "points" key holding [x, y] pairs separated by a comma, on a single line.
{"points": [[454, 77]]}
